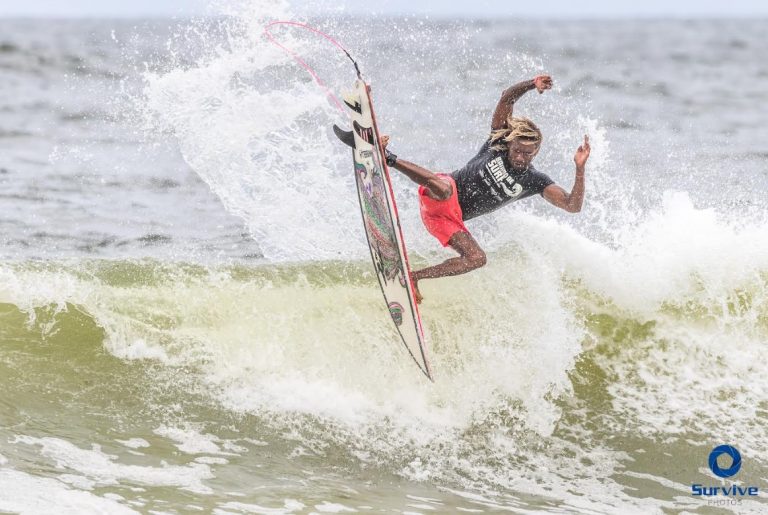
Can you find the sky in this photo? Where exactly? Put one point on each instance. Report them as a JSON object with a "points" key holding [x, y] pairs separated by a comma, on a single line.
{"points": [[433, 8]]}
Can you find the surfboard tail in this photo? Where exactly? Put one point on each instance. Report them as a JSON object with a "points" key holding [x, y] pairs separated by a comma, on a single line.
{"points": [[346, 137]]}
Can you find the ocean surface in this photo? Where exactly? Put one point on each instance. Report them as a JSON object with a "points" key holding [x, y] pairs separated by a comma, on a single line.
{"points": [[189, 322]]}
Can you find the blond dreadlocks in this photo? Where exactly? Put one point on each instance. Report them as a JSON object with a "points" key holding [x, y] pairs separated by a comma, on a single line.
{"points": [[521, 129]]}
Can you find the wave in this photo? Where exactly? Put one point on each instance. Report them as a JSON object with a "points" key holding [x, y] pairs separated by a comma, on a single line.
{"points": [[547, 352]]}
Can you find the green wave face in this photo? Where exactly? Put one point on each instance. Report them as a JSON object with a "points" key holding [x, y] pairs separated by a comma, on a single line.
{"points": [[266, 360]]}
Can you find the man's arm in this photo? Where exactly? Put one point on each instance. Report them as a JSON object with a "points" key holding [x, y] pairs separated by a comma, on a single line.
{"points": [[513, 93], [572, 201]]}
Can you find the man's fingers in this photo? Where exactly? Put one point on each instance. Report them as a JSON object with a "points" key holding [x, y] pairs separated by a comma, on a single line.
{"points": [[542, 82]]}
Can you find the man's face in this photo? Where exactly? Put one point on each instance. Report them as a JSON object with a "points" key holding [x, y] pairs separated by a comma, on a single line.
{"points": [[521, 154]]}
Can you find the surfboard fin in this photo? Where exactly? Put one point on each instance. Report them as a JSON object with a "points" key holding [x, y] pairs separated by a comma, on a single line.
{"points": [[353, 102], [345, 137]]}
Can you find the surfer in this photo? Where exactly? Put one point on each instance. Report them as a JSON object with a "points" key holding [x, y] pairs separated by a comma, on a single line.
{"points": [[500, 173]]}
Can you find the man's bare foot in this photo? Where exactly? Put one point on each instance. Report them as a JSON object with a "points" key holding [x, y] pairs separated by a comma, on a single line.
{"points": [[416, 294]]}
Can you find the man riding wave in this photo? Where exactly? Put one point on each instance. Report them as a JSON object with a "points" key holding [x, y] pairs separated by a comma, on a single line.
{"points": [[500, 173]]}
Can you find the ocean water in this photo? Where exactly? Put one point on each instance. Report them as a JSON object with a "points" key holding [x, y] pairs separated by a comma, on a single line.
{"points": [[189, 322]]}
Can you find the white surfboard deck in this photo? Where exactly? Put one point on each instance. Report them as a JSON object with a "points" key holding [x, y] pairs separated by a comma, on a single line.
{"points": [[382, 226]]}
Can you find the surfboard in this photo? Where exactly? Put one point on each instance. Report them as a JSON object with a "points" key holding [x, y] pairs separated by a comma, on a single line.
{"points": [[382, 223]]}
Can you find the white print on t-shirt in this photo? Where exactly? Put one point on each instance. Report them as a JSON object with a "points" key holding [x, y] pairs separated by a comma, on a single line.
{"points": [[501, 178]]}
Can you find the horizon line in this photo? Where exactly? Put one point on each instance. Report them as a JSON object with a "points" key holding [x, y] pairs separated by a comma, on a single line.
{"points": [[442, 17]]}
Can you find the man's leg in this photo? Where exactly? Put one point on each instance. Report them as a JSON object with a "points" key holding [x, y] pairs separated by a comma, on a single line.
{"points": [[471, 256], [437, 187]]}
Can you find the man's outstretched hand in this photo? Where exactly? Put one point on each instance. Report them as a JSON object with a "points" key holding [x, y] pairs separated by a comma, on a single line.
{"points": [[582, 154], [542, 83]]}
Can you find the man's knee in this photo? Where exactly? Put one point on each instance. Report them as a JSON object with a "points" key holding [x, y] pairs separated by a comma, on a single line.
{"points": [[440, 189], [477, 259]]}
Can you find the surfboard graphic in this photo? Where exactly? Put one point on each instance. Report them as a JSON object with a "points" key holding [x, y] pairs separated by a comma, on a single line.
{"points": [[382, 225]]}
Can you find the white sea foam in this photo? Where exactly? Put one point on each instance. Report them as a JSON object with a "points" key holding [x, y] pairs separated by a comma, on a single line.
{"points": [[289, 506], [330, 507], [191, 441], [211, 460], [134, 443], [102, 469], [28, 495]]}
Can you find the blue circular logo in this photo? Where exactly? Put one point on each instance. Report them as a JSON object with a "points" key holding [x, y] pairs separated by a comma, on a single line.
{"points": [[735, 460]]}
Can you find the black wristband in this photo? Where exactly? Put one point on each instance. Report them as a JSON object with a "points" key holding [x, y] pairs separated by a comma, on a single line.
{"points": [[390, 158]]}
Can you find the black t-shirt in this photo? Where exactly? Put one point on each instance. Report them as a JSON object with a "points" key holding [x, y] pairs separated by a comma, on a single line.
{"points": [[488, 182]]}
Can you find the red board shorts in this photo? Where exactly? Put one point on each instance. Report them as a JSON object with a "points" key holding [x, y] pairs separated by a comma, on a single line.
{"points": [[442, 218]]}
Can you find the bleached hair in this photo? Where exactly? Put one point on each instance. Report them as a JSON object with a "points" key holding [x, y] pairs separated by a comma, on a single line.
{"points": [[521, 129]]}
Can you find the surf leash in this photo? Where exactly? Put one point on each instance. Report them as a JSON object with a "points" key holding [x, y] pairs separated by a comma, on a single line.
{"points": [[303, 63]]}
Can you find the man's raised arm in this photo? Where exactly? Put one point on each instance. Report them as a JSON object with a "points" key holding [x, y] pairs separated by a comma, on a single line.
{"points": [[572, 201], [513, 93]]}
